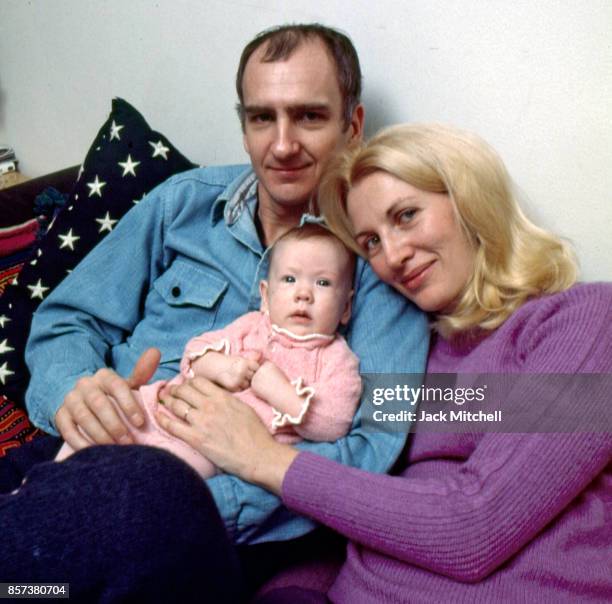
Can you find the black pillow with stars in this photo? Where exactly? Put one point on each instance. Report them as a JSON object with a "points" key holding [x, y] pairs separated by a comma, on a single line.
{"points": [[126, 160]]}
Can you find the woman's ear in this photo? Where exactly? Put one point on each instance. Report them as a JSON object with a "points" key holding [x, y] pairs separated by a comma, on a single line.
{"points": [[263, 291]]}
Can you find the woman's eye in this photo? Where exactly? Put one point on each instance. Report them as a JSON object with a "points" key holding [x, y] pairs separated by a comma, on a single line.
{"points": [[371, 242], [288, 279], [324, 282], [407, 215]]}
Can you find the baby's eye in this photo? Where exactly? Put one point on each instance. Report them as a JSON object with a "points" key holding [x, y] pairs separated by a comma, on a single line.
{"points": [[324, 282], [288, 279]]}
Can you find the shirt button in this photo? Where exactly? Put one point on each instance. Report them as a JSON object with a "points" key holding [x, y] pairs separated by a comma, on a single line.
{"points": [[176, 291]]}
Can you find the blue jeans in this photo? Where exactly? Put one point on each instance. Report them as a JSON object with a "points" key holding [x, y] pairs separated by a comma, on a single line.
{"points": [[119, 523]]}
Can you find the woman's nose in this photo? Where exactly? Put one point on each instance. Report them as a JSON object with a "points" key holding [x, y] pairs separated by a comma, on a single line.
{"points": [[397, 250]]}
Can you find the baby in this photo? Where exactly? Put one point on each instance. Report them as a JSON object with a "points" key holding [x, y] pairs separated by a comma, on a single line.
{"points": [[286, 361]]}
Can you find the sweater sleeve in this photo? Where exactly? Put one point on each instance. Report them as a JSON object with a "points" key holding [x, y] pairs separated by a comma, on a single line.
{"points": [[469, 520], [335, 395]]}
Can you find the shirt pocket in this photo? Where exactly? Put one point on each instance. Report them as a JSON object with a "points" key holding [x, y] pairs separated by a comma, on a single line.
{"points": [[190, 297]]}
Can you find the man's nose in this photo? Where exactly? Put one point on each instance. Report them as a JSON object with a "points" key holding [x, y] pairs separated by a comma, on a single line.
{"points": [[285, 141]]}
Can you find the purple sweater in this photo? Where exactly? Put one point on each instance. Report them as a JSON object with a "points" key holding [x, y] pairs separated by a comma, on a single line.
{"points": [[483, 517]]}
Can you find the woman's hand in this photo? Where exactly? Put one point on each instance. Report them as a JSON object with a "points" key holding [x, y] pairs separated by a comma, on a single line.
{"points": [[227, 432]]}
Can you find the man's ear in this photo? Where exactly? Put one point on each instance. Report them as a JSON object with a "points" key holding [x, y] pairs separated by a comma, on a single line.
{"points": [[245, 143], [357, 124], [346, 315], [263, 291]]}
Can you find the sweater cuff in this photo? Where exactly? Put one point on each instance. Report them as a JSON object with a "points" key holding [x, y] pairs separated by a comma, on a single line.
{"points": [[303, 488], [282, 419], [223, 346]]}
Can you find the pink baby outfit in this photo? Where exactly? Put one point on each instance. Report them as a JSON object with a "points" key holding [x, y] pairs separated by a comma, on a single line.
{"points": [[322, 368]]}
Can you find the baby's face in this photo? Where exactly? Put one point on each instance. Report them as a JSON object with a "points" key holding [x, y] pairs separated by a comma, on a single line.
{"points": [[308, 289]]}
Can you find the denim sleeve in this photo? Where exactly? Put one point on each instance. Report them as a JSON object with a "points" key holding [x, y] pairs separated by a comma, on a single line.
{"points": [[72, 333], [389, 335]]}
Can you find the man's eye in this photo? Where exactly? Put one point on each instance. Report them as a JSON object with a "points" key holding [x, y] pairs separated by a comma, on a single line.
{"points": [[288, 279], [260, 118], [324, 282], [311, 117]]}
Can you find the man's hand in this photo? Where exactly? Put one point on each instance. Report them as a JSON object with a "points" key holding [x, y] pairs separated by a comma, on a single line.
{"points": [[89, 407]]}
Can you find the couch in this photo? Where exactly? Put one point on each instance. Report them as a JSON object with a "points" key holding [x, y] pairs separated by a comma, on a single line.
{"points": [[48, 224]]}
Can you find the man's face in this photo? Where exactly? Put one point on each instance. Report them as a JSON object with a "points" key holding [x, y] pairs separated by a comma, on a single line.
{"points": [[293, 123]]}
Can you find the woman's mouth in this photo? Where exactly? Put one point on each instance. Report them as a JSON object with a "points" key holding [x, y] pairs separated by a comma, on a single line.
{"points": [[415, 278]]}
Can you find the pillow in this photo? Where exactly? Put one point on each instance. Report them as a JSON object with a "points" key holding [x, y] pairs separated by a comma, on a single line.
{"points": [[126, 160], [15, 427], [18, 237]]}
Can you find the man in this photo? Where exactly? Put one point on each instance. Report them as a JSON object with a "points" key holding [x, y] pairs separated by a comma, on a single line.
{"points": [[190, 256]]}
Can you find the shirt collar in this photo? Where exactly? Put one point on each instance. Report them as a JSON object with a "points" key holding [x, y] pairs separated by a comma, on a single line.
{"points": [[241, 194]]}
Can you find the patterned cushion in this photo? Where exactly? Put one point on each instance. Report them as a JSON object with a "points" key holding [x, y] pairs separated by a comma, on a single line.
{"points": [[126, 160], [15, 427], [18, 237]]}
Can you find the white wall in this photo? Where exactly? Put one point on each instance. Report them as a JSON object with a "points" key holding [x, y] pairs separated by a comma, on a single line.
{"points": [[534, 78]]}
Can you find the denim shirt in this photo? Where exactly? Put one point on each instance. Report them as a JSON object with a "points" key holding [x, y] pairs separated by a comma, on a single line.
{"points": [[185, 260]]}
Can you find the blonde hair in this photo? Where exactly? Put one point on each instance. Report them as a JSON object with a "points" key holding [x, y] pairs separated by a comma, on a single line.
{"points": [[514, 259]]}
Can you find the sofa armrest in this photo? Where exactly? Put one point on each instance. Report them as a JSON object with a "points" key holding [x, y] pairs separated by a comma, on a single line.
{"points": [[17, 202]]}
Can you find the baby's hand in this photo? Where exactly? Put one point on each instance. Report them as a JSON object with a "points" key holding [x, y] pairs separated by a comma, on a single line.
{"points": [[268, 375], [238, 374]]}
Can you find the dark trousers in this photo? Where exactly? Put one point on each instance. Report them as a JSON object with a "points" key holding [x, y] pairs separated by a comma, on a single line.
{"points": [[119, 523]]}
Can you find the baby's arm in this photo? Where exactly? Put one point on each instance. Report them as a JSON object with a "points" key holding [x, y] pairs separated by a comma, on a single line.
{"points": [[322, 410], [232, 372], [271, 385]]}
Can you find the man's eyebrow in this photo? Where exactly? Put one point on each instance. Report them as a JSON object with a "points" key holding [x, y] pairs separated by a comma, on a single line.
{"points": [[298, 108], [257, 109]]}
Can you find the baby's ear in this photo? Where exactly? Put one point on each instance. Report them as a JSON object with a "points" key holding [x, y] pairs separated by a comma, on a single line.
{"points": [[346, 315], [263, 291]]}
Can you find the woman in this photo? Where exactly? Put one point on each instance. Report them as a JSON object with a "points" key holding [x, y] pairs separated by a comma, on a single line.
{"points": [[479, 517]]}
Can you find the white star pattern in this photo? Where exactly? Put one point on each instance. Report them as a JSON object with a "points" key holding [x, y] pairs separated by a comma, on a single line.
{"points": [[159, 150], [81, 170], [4, 347], [4, 320], [68, 240], [95, 187], [107, 223], [129, 166], [4, 373], [114, 133], [38, 290]]}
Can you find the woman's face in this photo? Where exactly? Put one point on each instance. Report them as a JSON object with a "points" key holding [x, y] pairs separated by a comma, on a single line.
{"points": [[412, 239]]}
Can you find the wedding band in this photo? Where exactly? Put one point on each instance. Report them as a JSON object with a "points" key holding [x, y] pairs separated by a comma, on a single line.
{"points": [[186, 415]]}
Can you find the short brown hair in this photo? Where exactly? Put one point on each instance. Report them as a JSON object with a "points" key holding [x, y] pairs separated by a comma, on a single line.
{"points": [[284, 39]]}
